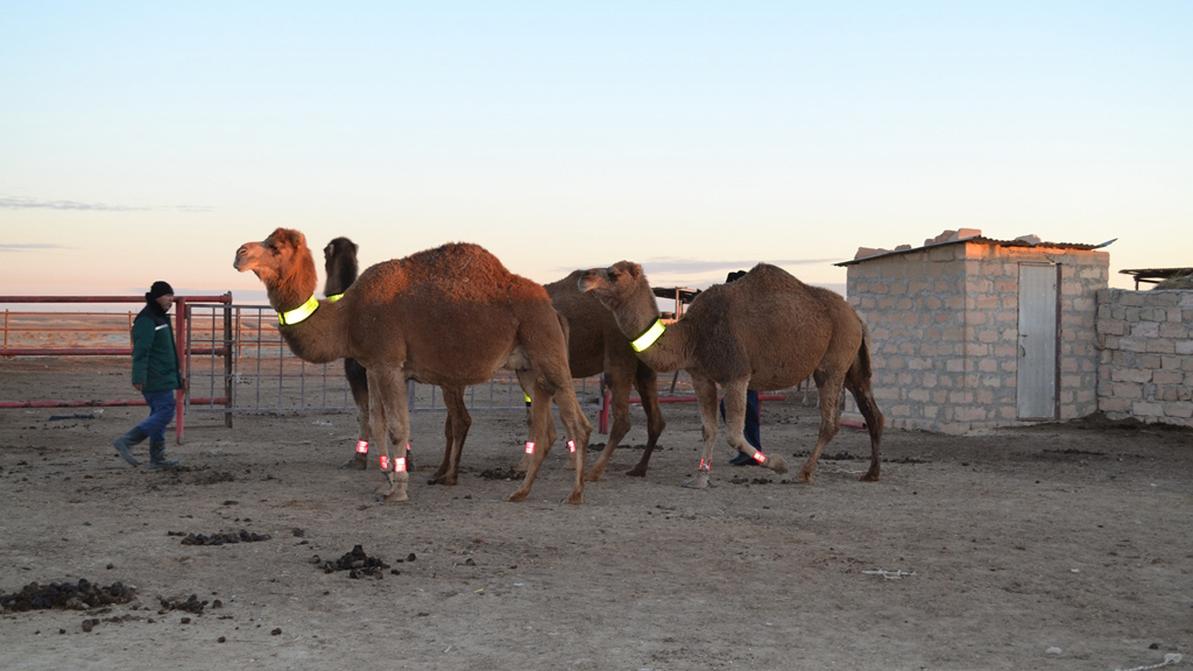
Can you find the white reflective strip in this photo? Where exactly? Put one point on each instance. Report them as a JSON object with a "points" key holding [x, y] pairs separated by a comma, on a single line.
{"points": [[529, 447], [571, 446], [400, 465], [362, 447], [161, 326]]}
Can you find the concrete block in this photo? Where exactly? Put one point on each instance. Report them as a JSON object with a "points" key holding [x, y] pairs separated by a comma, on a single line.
{"points": [[1147, 409], [1167, 376], [1111, 404], [1132, 375], [1160, 345], [1126, 390], [1175, 330], [1145, 329], [1182, 409]]}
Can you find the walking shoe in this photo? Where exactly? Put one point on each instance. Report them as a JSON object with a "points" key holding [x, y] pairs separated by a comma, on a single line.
{"points": [[157, 458], [123, 443], [742, 459]]}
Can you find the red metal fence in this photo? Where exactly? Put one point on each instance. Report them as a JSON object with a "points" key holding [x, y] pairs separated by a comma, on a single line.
{"points": [[180, 330]]}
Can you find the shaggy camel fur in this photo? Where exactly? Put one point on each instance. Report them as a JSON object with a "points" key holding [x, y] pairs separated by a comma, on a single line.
{"points": [[452, 315], [596, 345], [340, 264], [765, 331]]}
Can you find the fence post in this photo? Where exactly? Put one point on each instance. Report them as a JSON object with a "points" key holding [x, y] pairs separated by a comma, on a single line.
{"points": [[180, 348], [228, 360]]}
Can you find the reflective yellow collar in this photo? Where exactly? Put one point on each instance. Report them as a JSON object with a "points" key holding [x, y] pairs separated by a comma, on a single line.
{"points": [[647, 339], [298, 314], [334, 297]]}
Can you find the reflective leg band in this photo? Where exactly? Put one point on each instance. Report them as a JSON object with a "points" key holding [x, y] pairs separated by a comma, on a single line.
{"points": [[400, 465], [362, 447], [526, 398], [530, 447], [760, 457], [384, 462], [571, 446], [704, 466]]}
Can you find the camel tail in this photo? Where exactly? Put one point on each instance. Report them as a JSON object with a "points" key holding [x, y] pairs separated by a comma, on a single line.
{"points": [[862, 363]]}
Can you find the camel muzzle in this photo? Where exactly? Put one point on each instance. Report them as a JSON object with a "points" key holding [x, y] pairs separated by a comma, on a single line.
{"points": [[589, 280]]}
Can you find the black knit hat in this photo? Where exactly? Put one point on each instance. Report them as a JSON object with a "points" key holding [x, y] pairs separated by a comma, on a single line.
{"points": [[159, 288]]}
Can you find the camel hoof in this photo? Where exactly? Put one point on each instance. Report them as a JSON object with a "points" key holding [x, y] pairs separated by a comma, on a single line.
{"points": [[805, 476], [595, 475], [575, 498], [396, 497], [442, 480], [870, 476], [777, 464], [698, 482], [637, 472], [517, 496], [355, 464]]}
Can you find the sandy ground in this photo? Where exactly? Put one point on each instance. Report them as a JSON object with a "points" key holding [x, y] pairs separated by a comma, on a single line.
{"points": [[1075, 537]]}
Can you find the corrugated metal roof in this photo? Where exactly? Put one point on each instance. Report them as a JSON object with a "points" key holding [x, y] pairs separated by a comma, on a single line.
{"points": [[978, 239]]}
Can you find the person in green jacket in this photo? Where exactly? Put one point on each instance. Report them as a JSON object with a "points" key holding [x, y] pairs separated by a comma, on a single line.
{"points": [[155, 374]]}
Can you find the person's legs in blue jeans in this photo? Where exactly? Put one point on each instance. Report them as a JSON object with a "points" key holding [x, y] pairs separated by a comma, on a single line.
{"points": [[161, 411]]}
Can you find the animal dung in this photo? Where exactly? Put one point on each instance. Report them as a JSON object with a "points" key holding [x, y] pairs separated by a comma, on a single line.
{"points": [[356, 562], [191, 604], [243, 536], [80, 595]]}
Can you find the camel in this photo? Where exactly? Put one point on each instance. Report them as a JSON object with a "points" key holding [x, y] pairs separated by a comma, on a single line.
{"points": [[340, 264], [765, 331], [452, 315], [596, 345]]}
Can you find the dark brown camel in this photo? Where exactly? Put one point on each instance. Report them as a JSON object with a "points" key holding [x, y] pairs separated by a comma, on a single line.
{"points": [[340, 264], [765, 331], [596, 345], [452, 315]]}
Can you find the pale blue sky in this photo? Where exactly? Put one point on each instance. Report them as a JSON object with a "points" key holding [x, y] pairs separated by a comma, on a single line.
{"points": [[147, 140]]}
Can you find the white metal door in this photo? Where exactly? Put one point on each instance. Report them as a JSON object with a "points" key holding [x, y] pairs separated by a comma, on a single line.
{"points": [[1037, 342]]}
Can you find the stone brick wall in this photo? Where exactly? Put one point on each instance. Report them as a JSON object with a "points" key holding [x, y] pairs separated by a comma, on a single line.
{"points": [[944, 332], [1146, 369]]}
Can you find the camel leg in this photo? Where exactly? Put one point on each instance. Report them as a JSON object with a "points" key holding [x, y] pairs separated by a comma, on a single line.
{"points": [[646, 381], [540, 414], [619, 383], [735, 424], [387, 409], [455, 431], [359, 384], [706, 397], [578, 430], [526, 382], [860, 388], [828, 385]]}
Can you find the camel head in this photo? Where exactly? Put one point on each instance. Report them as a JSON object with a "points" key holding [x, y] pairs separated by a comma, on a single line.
{"points": [[339, 260], [282, 262], [615, 285]]}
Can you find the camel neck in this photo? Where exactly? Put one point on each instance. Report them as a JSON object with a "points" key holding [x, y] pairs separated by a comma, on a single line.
{"points": [[317, 337]]}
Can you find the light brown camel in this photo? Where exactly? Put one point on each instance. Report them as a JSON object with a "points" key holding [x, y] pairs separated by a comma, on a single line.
{"points": [[340, 263], [596, 345], [765, 331], [452, 315]]}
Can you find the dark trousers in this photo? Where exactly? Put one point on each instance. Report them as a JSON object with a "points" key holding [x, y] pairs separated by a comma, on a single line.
{"points": [[161, 411], [753, 415]]}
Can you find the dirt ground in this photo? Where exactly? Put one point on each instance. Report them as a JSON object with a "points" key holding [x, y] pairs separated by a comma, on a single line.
{"points": [[1073, 537]]}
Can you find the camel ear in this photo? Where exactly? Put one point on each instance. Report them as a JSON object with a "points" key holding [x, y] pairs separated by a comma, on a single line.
{"points": [[633, 269]]}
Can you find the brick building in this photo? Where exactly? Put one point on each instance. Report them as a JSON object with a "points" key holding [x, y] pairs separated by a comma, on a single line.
{"points": [[971, 333]]}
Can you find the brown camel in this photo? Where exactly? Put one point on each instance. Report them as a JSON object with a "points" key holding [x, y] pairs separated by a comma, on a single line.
{"points": [[452, 315], [596, 345], [765, 331], [340, 264]]}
